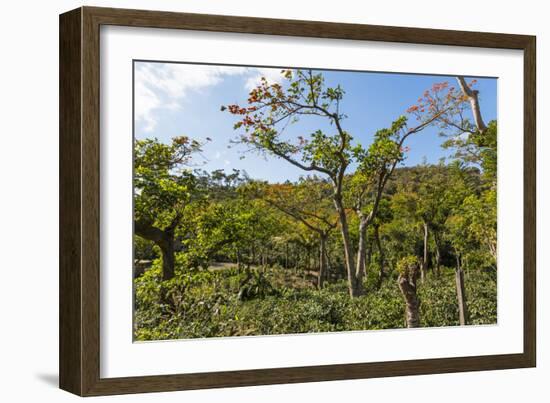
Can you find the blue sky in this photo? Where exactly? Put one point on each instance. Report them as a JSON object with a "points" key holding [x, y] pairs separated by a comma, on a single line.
{"points": [[173, 99]]}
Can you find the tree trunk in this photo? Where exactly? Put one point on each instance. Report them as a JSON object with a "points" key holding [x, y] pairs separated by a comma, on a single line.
{"points": [[368, 259], [407, 285], [168, 258], [322, 267], [424, 268], [437, 255], [461, 293], [381, 262], [348, 249], [328, 271], [361, 253], [164, 240], [474, 103]]}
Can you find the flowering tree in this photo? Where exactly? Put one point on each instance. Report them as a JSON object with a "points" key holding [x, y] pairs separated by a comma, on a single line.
{"points": [[272, 107]]}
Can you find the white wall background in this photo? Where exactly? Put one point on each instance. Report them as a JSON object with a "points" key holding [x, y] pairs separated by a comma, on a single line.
{"points": [[29, 199]]}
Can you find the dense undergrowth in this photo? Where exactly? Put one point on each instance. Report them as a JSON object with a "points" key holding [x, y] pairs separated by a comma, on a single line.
{"points": [[229, 302]]}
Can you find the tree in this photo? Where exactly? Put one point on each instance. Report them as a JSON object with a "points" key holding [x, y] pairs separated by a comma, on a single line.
{"points": [[163, 189], [481, 217], [465, 183], [384, 216], [408, 269], [408, 205], [223, 222], [307, 202], [271, 108], [458, 239], [427, 198], [475, 143]]}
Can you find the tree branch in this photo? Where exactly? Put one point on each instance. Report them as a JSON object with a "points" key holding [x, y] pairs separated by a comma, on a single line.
{"points": [[474, 102]]}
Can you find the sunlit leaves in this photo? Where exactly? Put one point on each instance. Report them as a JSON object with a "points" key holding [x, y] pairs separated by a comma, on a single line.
{"points": [[408, 265], [162, 184]]}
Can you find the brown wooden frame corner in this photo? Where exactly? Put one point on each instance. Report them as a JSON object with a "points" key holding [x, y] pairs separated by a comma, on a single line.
{"points": [[79, 201]]}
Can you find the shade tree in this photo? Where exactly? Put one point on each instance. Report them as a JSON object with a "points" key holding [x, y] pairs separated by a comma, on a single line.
{"points": [[271, 108], [164, 187]]}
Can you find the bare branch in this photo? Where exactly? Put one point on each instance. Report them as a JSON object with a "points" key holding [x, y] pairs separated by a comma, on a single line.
{"points": [[474, 102]]}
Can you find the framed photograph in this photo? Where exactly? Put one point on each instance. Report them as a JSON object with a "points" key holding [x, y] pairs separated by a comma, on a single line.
{"points": [[249, 201]]}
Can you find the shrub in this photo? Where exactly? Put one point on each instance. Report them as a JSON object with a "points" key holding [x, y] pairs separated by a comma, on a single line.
{"points": [[229, 302]]}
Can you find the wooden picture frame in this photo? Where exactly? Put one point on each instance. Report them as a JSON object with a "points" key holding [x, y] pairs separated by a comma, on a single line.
{"points": [[79, 346]]}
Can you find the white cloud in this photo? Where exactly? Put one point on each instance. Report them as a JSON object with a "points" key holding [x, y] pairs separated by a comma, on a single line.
{"points": [[146, 100], [165, 85], [272, 75]]}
